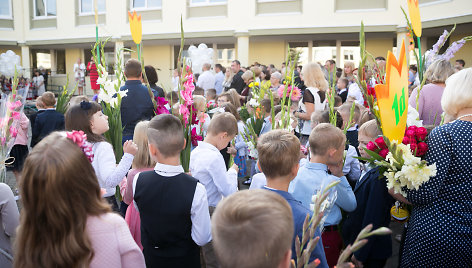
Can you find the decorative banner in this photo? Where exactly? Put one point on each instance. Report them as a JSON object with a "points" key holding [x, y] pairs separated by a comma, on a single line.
{"points": [[392, 97], [415, 17], [136, 27]]}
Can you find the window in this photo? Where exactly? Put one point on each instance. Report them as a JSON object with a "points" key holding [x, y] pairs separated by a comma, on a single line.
{"points": [[348, 55], [87, 7], [146, 4], [206, 2], [44, 8], [5, 9]]}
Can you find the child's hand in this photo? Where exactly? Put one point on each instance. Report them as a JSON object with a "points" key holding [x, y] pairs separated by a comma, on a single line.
{"points": [[231, 150], [337, 170], [235, 167], [130, 147]]}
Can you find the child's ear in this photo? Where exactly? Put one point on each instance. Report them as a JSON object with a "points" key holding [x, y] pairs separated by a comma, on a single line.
{"points": [[152, 149], [185, 143], [295, 169], [258, 165]]}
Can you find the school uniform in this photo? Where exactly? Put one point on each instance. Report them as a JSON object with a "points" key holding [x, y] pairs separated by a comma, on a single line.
{"points": [[174, 216], [343, 94], [352, 136], [46, 122], [373, 207]]}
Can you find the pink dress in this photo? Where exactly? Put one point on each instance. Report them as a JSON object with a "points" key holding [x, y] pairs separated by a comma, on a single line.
{"points": [[132, 215]]}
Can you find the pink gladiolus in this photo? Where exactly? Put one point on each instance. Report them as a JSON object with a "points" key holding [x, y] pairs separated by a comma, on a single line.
{"points": [[187, 97], [15, 115], [13, 105], [13, 131], [195, 138], [161, 108], [183, 110]]}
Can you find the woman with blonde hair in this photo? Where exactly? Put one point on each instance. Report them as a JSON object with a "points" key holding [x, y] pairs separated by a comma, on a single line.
{"points": [[314, 98], [228, 79], [348, 71], [429, 101], [65, 222]]}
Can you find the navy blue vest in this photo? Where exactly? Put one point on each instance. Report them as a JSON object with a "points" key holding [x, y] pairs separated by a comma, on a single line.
{"points": [[164, 205]]}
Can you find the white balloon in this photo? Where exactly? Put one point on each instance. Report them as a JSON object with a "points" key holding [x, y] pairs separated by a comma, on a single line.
{"points": [[199, 56], [8, 62]]}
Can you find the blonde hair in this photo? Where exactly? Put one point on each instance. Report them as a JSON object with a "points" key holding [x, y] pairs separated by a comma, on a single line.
{"points": [[57, 177], [279, 152], [458, 92], [247, 75], [370, 129], [313, 76], [199, 102], [224, 122], [48, 99], [142, 159], [231, 75], [346, 110], [439, 71], [165, 132], [235, 97], [349, 64], [324, 137], [252, 229]]}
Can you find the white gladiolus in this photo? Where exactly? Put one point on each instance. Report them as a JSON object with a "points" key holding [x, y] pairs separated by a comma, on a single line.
{"points": [[254, 103]]}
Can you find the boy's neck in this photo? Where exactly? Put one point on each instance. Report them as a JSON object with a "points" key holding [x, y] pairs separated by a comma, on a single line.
{"points": [[170, 161], [132, 78], [319, 159], [48, 107], [211, 140], [279, 183]]}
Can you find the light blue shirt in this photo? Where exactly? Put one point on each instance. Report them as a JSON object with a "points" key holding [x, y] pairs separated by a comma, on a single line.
{"points": [[309, 180], [219, 78]]}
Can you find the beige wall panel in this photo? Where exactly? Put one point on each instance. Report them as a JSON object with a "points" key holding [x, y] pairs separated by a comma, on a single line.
{"points": [[379, 47], [160, 57], [267, 52]]}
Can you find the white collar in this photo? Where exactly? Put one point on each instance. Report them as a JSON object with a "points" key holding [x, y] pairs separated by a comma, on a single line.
{"points": [[208, 146], [353, 128], [342, 90], [168, 170]]}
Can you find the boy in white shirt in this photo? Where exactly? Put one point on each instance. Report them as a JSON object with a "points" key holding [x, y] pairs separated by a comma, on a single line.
{"points": [[208, 167]]}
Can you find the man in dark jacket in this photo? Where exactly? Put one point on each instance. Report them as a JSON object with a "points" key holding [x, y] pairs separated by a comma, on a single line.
{"points": [[137, 105], [238, 82]]}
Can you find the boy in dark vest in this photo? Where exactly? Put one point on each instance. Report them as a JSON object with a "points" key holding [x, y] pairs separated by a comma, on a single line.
{"points": [[173, 206]]}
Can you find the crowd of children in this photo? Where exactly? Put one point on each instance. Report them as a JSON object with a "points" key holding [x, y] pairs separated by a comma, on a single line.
{"points": [[202, 218]]}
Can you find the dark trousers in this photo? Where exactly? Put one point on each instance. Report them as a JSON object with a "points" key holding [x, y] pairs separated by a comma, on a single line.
{"points": [[374, 263], [209, 259]]}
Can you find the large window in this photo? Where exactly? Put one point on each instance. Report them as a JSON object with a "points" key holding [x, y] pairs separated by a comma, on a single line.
{"points": [[44, 8], [5, 9], [146, 4], [87, 7], [206, 2]]}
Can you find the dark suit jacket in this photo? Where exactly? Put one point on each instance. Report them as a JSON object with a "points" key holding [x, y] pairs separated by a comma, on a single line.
{"points": [[373, 206], [352, 136], [238, 82], [46, 122], [136, 106]]}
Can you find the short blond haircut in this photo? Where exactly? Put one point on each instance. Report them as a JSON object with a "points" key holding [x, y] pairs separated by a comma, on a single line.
{"points": [[165, 132], [279, 152], [439, 71], [252, 229], [224, 122], [48, 99], [370, 129], [346, 110], [313, 76], [246, 76], [199, 102], [458, 92], [142, 159], [324, 137]]}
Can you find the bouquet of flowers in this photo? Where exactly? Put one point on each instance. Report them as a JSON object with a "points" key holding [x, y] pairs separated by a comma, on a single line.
{"points": [[10, 109], [399, 163], [64, 98], [110, 97]]}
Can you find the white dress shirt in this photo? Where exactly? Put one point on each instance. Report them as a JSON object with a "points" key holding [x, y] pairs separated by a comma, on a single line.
{"points": [[355, 92], [206, 80], [258, 181], [208, 167], [351, 165], [104, 163], [219, 78], [199, 214]]}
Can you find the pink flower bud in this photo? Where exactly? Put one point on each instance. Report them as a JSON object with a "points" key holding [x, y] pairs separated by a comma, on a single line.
{"points": [[381, 143], [383, 153]]}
